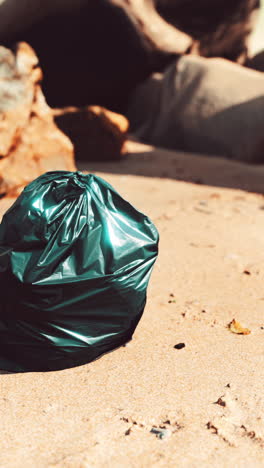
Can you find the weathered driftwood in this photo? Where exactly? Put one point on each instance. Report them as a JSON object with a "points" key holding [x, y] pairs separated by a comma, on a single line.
{"points": [[209, 28], [219, 28], [98, 51], [18, 15], [156, 33]]}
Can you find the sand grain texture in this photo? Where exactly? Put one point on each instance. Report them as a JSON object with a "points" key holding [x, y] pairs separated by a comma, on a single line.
{"points": [[149, 404]]}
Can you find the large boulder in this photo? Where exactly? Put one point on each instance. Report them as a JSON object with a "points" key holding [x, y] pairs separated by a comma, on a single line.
{"points": [[203, 105], [30, 142]]}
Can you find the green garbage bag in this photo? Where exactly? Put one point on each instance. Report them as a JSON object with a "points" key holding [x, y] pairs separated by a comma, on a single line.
{"points": [[75, 261]]}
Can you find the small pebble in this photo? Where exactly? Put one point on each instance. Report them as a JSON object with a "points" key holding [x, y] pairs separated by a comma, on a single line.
{"points": [[161, 433], [179, 346]]}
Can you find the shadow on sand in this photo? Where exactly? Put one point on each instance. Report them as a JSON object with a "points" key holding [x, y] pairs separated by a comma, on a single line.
{"points": [[147, 161]]}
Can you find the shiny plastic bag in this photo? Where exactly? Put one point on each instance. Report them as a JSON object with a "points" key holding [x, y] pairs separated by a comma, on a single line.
{"points": [[75, 261]]}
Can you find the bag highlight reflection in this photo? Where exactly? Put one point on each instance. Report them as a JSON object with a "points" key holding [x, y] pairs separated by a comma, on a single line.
{"points": [[75, 262]]}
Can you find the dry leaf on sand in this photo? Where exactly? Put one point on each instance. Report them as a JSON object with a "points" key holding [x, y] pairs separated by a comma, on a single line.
{"points": [[235, 327]]}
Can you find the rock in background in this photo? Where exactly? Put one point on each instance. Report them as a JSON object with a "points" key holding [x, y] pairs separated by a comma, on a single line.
{"points": [[95, 132], [30, 142]]}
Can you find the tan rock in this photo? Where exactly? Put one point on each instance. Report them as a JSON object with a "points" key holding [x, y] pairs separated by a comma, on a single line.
{"points": [[96, 133], [30, 142]]}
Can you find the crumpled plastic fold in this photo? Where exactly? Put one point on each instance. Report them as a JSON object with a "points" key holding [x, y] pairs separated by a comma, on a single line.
{"points": [[75, 262]]}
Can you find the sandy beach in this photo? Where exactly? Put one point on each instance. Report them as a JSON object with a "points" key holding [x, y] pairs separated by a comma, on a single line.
{"points": [[149, 404]]}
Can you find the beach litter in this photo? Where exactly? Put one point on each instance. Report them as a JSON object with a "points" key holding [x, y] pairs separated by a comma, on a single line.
{"points": [[236, 327], [75, 263], [160, 432]]}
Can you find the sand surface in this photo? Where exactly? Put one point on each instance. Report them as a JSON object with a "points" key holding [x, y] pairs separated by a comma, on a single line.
{"points": [[206, 400]]}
